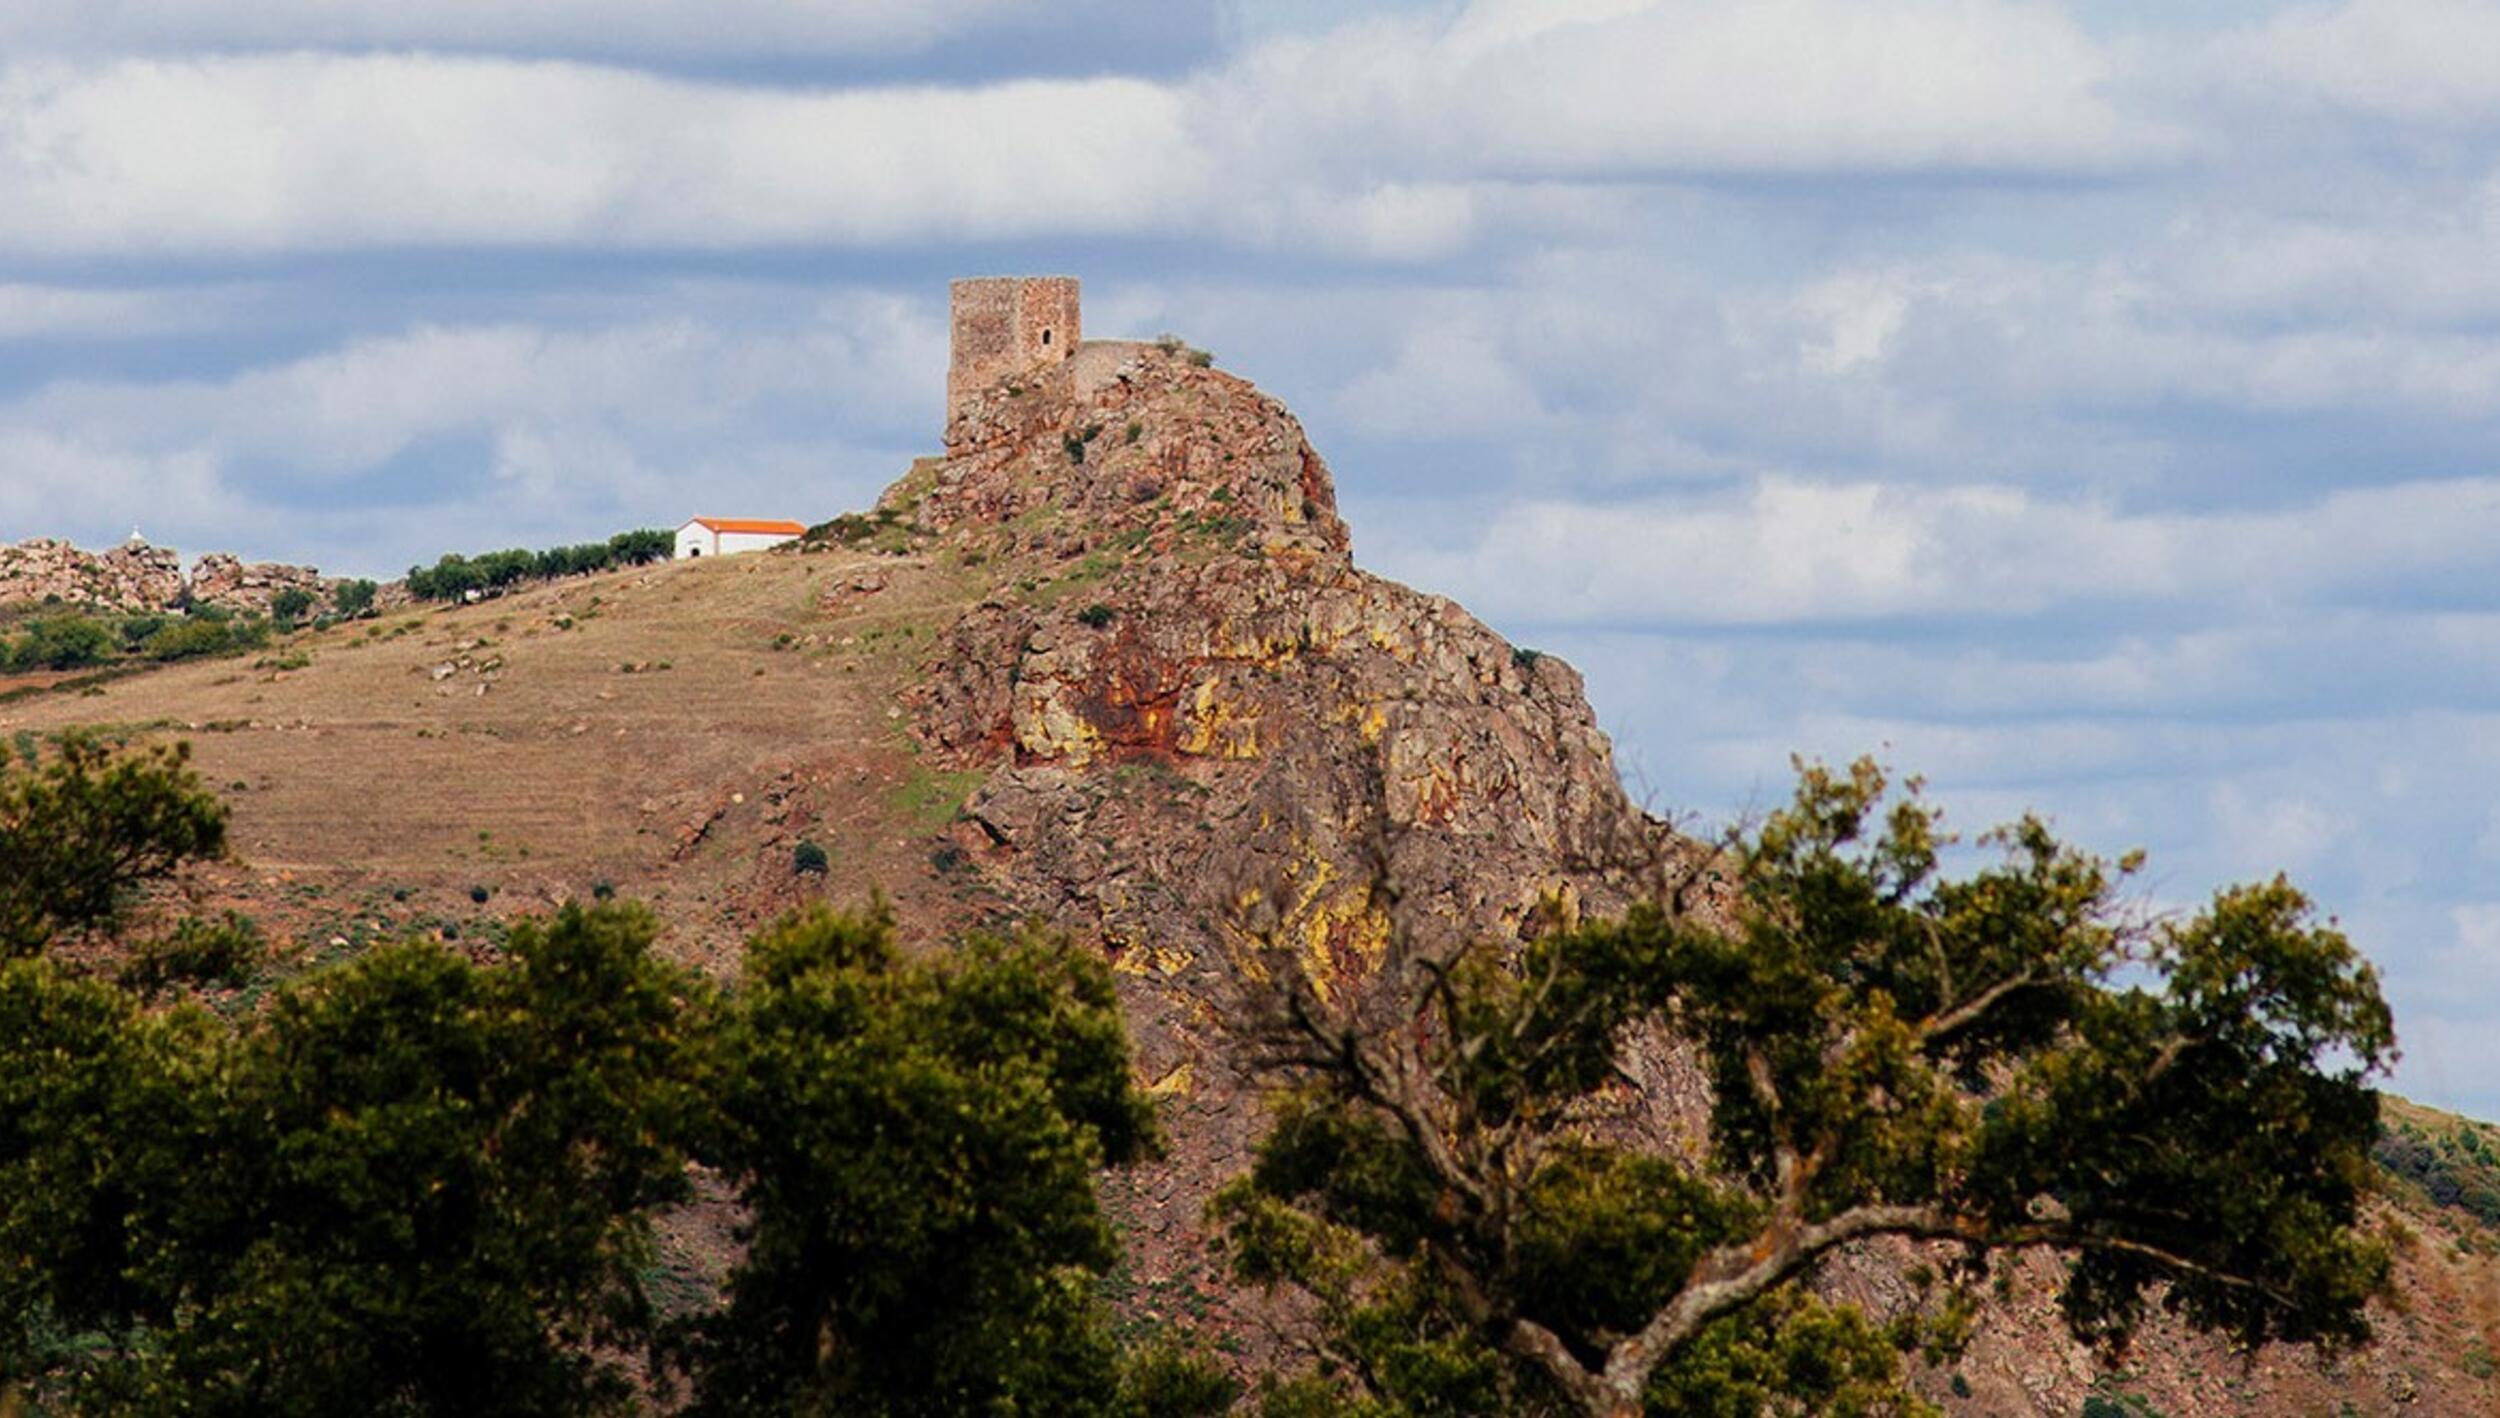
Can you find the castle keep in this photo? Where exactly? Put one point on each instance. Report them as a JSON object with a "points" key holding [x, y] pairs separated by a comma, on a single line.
{"points": [[1006, 324]]}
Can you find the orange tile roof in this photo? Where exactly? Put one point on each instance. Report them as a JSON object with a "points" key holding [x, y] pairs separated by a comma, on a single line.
{"points": [[751, 524]]}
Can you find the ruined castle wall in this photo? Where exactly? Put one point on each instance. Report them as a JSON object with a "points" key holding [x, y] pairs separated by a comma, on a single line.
{"points": [[1005, 324]]}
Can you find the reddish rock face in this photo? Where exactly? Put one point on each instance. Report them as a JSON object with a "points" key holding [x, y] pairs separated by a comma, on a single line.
{"points": [[1200, 719]]}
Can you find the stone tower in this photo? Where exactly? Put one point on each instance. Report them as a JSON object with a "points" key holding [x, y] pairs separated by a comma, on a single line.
{"points": [[1006, 324]]}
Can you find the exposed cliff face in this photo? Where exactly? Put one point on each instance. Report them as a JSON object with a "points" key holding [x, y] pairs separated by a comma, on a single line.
{"points": [[1198, 719], [1204, 624]]}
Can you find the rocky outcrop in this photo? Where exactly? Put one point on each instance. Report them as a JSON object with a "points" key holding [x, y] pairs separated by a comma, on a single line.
{"points": [[222, 579], [136, 578], [1205, 730], [132, 577]]}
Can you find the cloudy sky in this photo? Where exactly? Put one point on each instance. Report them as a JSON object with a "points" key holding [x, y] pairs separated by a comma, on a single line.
{"points": [[2091, 406]]}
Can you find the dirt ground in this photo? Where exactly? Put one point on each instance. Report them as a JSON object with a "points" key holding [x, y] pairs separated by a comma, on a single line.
{"points": [[671, 733]]}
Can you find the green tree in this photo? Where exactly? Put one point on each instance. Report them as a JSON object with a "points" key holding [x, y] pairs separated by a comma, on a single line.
{"points": [[1990, 1064], [289, 605], [353, 598], [915, 1140], [63, 642], [412, 1185], [80, 833]]}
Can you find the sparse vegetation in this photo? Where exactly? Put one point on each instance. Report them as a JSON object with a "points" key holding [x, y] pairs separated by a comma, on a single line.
{"points": [[223, 950], [2453, 1161]]}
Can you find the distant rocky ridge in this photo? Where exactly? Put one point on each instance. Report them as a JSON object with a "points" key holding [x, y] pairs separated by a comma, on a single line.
{"points": [[136, 577]]}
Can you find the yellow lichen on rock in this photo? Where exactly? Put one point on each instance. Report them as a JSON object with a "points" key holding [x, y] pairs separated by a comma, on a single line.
{"points": [[1046, 727], [1216, 729]]}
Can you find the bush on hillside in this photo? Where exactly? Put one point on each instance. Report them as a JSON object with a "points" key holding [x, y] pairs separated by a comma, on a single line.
{"points": [[219, 951], [204, 633], [65, 642], [289, 605]]}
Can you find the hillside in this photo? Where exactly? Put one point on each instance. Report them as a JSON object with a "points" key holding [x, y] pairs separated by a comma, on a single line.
{"points": [[1109, 662]]}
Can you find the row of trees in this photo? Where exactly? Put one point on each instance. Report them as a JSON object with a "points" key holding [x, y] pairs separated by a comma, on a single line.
{"points": [[414, 1183], [455, 576]]}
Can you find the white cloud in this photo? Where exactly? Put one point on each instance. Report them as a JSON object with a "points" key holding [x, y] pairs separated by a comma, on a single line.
{"points": [[1614, 88], [31, 311], [575, 430], [2288, 832], [1379, 139], [48, 480], [2434, 62], [303, 151], [709, 26], [1786, 549], [347, 409]]}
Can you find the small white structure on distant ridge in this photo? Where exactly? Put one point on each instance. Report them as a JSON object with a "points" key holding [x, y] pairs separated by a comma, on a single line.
{"points": [[728, 536]]}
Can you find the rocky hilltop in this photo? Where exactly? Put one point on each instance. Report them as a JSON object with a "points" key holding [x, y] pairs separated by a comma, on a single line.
{"points": [[1109, 661], [136, 577], [1198, 722]]}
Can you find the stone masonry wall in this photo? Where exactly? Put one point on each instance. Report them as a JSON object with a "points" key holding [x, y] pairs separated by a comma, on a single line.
{"points": [[1003, 324]]}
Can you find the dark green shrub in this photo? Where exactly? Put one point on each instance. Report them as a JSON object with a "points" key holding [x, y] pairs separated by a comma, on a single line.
{"points": [[135, 630], [289, 605], [65, 642], [353, 598], [810, 860], [206, 632], [479, 894], [1095, 616], [80, 834], [220, 951]]}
